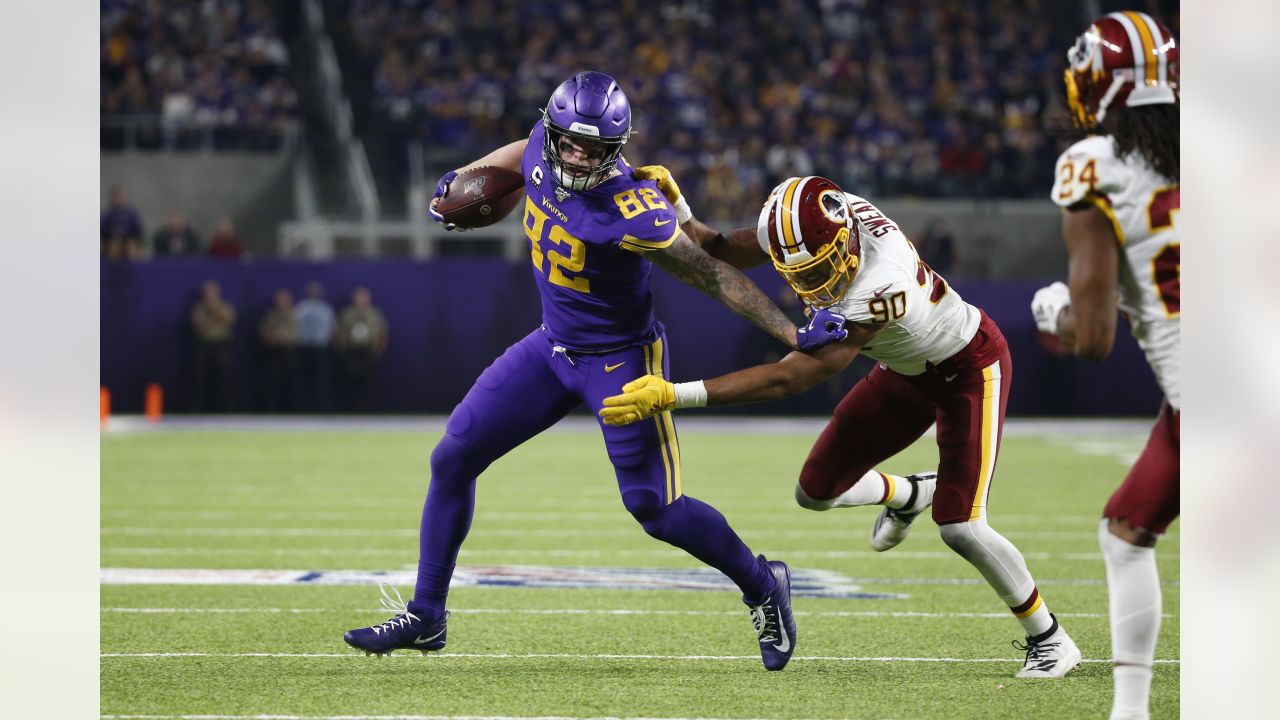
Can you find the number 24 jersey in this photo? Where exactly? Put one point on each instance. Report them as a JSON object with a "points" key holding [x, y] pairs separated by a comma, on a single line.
{"points": [[1142, 207]]}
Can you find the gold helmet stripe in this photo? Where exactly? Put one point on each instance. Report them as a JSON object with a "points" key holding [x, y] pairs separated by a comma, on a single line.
{"points": [[1162, 46], [1144, 71], [788, 219], [1150, 61]]}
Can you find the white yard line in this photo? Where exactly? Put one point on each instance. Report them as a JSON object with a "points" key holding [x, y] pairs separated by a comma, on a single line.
{"points": [[575, 611], [631, 531], [565, 553], [588, 656]]}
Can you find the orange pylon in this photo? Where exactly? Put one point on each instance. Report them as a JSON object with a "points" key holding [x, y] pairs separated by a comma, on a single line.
{"points": [[154, 402], [104, 404]]}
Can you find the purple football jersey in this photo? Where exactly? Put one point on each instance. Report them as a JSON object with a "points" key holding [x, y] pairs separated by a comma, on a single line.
{"points": [[588, 253]]}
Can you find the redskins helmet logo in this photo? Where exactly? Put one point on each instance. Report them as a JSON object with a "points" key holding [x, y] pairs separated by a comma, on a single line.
{"points": [[809, 231]]}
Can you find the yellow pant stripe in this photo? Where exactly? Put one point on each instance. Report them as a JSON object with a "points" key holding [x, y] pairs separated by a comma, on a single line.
{"points": [[990, 425], [1031, 610], [653, 363]]}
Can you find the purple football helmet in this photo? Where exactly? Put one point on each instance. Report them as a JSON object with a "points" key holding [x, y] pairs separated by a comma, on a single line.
{"points": [[591, 112]]}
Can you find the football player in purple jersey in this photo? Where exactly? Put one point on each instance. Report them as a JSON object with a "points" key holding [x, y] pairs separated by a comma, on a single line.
{"points": [[595, 232]]}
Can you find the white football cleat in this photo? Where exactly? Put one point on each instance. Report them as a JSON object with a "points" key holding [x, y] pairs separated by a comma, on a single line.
{"points": [[1052, 657], [892, 526]]}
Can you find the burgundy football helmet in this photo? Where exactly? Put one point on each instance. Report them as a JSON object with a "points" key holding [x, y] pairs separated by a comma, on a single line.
{"points": [[809, 231], [1124, 57]]}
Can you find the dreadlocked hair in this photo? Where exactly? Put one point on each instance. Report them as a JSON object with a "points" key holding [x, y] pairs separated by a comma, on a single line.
{"points": [[1149, 130]]}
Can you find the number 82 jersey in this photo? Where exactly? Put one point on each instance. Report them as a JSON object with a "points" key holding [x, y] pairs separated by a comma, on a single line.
{"points": [[1142, 206]]}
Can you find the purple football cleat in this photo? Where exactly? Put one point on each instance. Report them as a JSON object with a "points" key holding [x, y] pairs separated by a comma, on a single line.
{"points": [[775, 625], [404, 631]]}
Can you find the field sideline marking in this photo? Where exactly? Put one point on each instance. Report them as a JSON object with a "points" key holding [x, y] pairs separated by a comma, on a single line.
{"points": [[354, 655], [571, 611]]}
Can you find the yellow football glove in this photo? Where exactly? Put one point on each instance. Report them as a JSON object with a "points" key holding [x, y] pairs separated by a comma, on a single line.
{"points": [[662, 176], [641, 398], [669, 188]]}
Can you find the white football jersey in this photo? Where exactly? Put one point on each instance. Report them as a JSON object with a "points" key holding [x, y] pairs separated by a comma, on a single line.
{"points": [[927, 320], [1142, 206]]}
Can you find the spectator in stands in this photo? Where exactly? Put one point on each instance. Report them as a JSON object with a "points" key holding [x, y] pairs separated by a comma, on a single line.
{"points": [[278, 332], [225, 244], [175, 238], [936, 246], [361, 340], [316, 322], [212, 321], [121, 227]]}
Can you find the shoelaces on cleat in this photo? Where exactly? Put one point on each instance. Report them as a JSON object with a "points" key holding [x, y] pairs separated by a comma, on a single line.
{"points": [[765, 622], [395, 605], [1034, 650]]}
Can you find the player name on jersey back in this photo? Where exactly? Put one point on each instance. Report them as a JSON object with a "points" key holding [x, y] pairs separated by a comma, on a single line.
{"points": [[927, 321]]}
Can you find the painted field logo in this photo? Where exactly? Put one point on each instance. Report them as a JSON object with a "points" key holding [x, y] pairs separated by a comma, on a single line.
{"points": [[804, 583]]}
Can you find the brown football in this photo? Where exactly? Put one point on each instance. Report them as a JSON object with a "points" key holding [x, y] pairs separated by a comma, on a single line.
{"points": [[481, 196]]}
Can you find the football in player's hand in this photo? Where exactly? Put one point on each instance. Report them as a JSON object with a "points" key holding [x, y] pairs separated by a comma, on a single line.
{"points": [[481, 196]]}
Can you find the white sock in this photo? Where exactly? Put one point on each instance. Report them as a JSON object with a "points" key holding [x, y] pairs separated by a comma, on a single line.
{"points": [[1133, 587], [1133, 692], [874, 488], [1004, 569]]}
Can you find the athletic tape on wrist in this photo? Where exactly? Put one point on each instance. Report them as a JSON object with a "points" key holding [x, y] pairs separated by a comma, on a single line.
{"points": [[683, 212], [691, 394]]}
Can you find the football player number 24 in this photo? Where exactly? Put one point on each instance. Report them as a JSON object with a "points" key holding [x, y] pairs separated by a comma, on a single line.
{"points": [[561, 268]]}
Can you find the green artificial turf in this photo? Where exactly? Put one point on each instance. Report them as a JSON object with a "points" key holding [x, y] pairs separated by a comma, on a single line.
{"points": [[334, 500]]}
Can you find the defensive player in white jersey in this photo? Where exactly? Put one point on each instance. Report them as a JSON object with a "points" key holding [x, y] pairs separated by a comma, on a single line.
{"points": [[940, 360], [1118, 189]]}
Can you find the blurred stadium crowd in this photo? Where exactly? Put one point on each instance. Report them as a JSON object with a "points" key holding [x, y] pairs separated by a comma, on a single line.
{"points": [[212, 73], [927, 98]]}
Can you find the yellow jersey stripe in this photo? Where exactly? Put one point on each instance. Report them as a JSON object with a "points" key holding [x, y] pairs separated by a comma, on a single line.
{"points": [[635, 244], [1105, 206]]}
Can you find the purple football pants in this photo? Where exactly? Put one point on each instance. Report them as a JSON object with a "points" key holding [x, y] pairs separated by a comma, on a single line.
{"points": [[527, 390]]}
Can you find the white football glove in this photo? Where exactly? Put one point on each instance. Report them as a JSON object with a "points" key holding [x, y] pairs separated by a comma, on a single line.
{"points": [[1048, 304]]}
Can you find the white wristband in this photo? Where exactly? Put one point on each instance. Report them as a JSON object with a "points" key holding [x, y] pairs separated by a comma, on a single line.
{"points": [[691, 394], [683, 212]]}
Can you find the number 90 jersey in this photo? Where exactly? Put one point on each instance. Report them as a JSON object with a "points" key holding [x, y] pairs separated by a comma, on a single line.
{"points": [[927, 321], [1142, 207]]}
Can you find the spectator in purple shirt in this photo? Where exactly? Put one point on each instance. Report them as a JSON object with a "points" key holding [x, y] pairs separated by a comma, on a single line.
{"points": [[121, 227]]}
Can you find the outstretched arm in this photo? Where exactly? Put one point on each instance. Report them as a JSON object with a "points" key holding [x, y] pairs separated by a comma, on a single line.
{"points": [[792, 375], [738, 247], [725, 284]]}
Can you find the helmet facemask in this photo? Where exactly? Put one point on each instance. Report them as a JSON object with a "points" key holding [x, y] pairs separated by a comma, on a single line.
{"points": [[822, 281], [558, 141], [820, 261]]}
